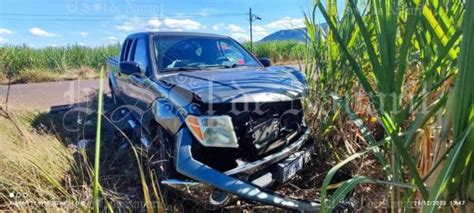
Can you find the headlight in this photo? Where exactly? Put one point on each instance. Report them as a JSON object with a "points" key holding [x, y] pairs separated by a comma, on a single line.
{"points": [[213, 131]]}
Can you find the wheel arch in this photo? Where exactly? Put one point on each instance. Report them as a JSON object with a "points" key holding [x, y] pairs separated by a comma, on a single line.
{"points": [[166, 115]]}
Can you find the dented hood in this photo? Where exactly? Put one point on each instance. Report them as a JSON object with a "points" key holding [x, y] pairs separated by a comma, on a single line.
{"points": [[245, 84]]}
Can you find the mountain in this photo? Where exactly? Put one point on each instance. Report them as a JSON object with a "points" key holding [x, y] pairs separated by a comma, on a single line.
{"points": [[298, 34]]}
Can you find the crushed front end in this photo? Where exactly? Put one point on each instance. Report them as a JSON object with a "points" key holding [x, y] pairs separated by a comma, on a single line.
{"points": [[269, 144]]}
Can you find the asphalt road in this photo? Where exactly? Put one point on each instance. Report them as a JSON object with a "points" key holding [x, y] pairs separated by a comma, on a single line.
{"points": [[51, 95]]}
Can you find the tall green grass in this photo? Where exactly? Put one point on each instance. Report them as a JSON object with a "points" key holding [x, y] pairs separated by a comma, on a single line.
{"points": [[404, 56], [57, 59], [19, 60], [279, 51], [98, 141]]}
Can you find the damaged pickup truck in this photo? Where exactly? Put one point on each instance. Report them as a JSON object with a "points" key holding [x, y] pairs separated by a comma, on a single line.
{"points": [[221, 123]]}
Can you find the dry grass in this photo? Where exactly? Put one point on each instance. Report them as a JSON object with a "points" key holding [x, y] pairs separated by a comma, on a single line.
{"points": [[34, 165], [42, 159], [82, 72]]}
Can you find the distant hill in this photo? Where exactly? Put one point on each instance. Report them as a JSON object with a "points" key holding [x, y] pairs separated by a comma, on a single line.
{"points": [[298, 34]]}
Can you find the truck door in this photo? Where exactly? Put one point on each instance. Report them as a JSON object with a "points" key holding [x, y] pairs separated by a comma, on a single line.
{"points": [[139, 83], [120, 79]]}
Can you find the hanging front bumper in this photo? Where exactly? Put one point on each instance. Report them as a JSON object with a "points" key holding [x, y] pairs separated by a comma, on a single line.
{"points": [[207, 176]]}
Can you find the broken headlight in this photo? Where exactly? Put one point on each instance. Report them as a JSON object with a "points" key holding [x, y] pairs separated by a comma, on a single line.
{"points": [[213, 131]]}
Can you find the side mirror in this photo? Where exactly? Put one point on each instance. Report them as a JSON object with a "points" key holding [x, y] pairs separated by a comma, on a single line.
{"points": [[265, 62], [129, 67]]}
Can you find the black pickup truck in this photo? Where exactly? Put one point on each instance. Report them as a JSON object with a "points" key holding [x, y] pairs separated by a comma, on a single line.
{"points": [[222, 124]]}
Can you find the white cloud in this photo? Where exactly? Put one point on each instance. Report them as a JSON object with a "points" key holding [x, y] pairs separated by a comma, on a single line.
{"points": [[40, 32], [3, 40], [124, 27], [155, 24], [130, 25], [184, 24], [235, 28], [242, 34], [4, 31], [237, 32], [287, 23], [259, 32], [216, 27], [84, 34], [241, 37], [113, 38]]}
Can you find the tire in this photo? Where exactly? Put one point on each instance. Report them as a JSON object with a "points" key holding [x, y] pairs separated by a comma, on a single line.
{"points": [[112, 93]]}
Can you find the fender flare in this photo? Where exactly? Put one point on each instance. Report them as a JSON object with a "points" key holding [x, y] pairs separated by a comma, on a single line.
{"points": [[167, 115]]}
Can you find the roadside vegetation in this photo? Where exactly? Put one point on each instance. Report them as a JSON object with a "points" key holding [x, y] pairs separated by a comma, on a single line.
{"points": [[23, 64], [279, 52], [33, 164], [392, 98], [47, 162]]}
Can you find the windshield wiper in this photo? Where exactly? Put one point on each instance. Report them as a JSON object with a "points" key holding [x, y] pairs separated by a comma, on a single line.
{"points": [[234, 65], [183, 69]]}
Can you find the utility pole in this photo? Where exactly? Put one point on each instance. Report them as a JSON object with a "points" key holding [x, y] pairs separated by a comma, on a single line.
{"points": [[252, 18]]}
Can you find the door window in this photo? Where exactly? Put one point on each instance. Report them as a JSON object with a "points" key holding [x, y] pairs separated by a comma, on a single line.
{"points": [[126, 49], [140, 54]]}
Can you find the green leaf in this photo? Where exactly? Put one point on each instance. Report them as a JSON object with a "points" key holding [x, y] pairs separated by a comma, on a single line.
{"points": [[368, 43], [342, 191], [411, 24], [355, 66], [462, 99], [334, 169], [438, 31], [350, 184], [100, 107]]}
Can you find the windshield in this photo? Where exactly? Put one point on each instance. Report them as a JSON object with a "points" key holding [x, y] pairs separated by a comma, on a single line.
{"points": [[182, 53]]}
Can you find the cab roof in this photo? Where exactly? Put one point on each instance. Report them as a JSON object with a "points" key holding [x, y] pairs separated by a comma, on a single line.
{"points": [[171, 33]]}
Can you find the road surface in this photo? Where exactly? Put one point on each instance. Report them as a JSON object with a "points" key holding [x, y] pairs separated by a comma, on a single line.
{"points": [[49, 95]]}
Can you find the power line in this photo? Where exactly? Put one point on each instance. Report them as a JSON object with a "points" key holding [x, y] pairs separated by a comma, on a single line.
{"points": [[62, 20], [114, 16], [45, 17]]}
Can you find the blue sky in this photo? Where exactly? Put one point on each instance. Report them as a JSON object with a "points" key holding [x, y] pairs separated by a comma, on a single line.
{"points": [[98, 22]]}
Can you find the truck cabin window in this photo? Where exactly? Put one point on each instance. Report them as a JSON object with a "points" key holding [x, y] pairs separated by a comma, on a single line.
{"points": [[184, 53]]}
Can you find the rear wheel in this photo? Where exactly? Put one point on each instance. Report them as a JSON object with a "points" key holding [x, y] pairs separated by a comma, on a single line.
{"points": [[112, 93]]}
